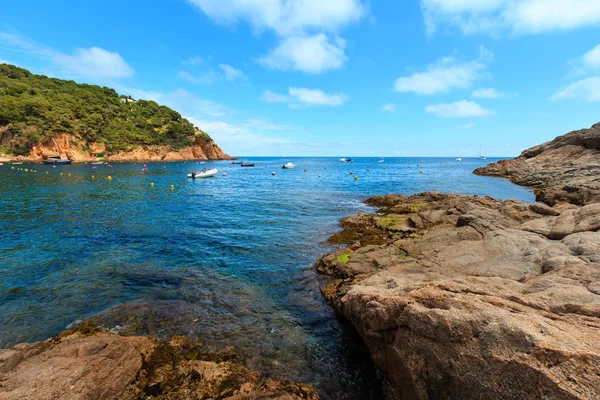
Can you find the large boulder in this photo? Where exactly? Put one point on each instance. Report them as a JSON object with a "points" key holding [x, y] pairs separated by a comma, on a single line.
{"points": [[472, 302]]}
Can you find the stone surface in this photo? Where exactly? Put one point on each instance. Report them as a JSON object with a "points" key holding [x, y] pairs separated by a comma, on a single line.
{"points": [[463, 297], [69, 146], [88, 363], [567, 169]]}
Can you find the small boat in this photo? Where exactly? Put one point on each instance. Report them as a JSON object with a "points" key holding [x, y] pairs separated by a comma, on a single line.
{"points": [[480, 156], [98, 163], [247, 165], [201, 163], [17, 163], [237, 162], [204, 174], [342, 160], [382, 160], [288, 166], [459, 159], [56, 161], [349, 160]]}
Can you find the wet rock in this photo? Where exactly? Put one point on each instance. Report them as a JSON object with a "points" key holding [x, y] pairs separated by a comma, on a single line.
{"points": [[89, 363], [481, 299]]}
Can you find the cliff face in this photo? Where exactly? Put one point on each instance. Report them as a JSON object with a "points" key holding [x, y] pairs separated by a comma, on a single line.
{"points": [[462, 297], [567, 169], [69, 146], [89, 363]]}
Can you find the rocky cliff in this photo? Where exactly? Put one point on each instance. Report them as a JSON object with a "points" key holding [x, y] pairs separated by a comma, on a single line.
{"points": [[73, 148], [88, 363], [567, 169], [462, 297]]}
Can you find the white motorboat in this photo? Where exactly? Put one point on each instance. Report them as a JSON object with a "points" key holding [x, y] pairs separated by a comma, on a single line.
{"points": [[204, 174], [342, 160], [459, 159], [288, 166]]}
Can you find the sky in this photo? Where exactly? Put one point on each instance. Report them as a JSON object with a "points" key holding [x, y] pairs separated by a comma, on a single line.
{"points": [[332, 77]]}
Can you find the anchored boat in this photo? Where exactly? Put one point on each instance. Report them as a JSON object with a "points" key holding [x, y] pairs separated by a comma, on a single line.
{"points": [[56, 161], [204, 174]]}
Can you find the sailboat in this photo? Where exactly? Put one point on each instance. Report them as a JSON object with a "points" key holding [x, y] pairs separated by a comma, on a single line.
{"points": [[480, 156]]}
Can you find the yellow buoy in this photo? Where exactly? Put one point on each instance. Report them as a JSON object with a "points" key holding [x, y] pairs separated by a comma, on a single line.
{"points": [[109, 178], [172, 187], [152, 184], [69, 174], [355, 177], [26, 170], [421, 171], [93, 177], [61, 174], [12, 167], [46, 172]]}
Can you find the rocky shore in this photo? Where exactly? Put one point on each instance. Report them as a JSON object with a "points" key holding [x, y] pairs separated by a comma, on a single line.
{"points": [[566, 169], [463, 297], [72, 148], [89, 363]]}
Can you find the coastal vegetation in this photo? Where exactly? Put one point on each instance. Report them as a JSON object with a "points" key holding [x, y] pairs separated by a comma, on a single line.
{"points": [[36, 108]]}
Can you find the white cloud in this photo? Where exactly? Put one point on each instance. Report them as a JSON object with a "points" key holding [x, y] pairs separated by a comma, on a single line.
{"points": [[309, 54], [205, 79], [95, 62], [314, 97], [189, 104], [308, 29], [193, 61], [448, 73], [211, 76], [589, 62], [272, 97], [284, 17], [389, 108], [488, 93], [232, 74], [459, 109], [586, 89], [516, 17]]}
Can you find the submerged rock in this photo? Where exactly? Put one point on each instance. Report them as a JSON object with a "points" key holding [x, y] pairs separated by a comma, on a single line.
{"points": [[565, 169], [89, 363], [464, 297]]}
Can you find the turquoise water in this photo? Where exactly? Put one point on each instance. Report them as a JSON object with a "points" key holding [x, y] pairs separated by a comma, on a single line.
{"points": [[228, 258]]}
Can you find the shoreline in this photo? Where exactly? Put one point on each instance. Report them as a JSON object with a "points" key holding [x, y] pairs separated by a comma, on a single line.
{"points": [[464, 296]]}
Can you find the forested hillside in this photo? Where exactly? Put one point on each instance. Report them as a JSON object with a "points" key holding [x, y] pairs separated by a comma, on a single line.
{"points": [[35, 108]]}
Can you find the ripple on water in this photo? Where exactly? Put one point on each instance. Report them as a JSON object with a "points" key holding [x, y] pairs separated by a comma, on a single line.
{"points": [[227, 259]]}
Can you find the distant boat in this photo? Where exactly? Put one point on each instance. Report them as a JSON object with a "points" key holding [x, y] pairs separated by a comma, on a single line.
{"points": [[247, 165], [342, 160], [17, 163], [349, 160], [480, 156], [98, 163], [382, 160], [459, 159], [56, 161], [288, 166], [204, 174], [237, 162]]}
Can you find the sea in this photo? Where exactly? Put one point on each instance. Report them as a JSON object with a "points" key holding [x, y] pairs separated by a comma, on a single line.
{"points": [[229, 260]]}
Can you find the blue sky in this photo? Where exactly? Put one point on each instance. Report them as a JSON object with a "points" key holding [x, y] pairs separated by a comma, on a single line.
{"points": [[335, 77]]}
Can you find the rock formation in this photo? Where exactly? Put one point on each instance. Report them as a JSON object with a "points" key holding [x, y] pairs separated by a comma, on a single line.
{"points": [[567, 169], [88, 363], [69, 146], [462, 297]]}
